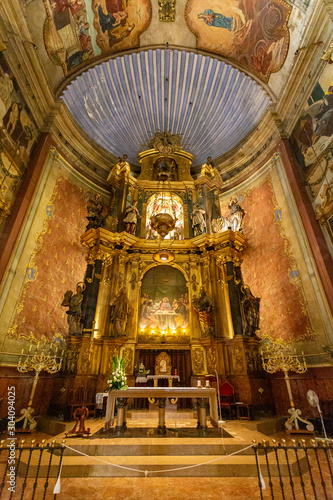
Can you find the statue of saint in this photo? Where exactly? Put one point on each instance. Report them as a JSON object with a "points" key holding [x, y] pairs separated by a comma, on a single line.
{"points": [[74, 313], [204, 307], [94, 209], [121, 169], [131, 218], [208, 167], [250, 311], [237, 214], [198, 220], [119, 312]]}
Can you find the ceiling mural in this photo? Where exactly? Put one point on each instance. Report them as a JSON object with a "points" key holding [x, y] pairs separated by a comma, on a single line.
{"points": [[76, 30], [212, 105], [252, 33]]}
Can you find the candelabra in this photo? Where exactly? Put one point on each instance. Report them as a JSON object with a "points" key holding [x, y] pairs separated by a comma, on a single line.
{"points": [[277, 357], [37, 361]]}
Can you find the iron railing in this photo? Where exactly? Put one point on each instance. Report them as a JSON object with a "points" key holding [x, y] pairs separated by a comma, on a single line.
{"points": [[27, 469], [298, 470]]}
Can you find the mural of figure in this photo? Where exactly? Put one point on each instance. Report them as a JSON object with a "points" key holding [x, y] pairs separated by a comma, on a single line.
{"points": [[74, 313], [218, 20], [198, 220], [120, 310], [204, 307], [237, 214], [6, 88], [115, 20], [250, 311], [131, 218]]}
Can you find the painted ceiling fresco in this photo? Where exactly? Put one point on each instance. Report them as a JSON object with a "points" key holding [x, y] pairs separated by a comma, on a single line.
{"points": [[211, 104], [313, 133], [76, 30], [252, 33]]}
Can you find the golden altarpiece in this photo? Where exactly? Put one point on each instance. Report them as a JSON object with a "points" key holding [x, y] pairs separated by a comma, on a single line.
{"points": [[164, 276]]}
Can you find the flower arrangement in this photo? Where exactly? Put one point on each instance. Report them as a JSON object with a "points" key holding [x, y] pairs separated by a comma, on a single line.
{"points": [[118, 378]]}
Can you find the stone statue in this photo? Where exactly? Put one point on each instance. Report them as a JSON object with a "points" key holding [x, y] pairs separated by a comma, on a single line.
{"points": [[119, 313], [208, 167], [250, 311], [121, 169], [237, 214], [74, 313], [204, 307], [94, 209], [198, 220], [131, 218]]}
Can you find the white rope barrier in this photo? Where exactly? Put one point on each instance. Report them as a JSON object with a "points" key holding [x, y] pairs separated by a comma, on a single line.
{"points": [[157, 471]]}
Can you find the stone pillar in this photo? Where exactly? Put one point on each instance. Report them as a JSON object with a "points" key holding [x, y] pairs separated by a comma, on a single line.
{"points": [[161, 429], [203, 403], [121, 409]]}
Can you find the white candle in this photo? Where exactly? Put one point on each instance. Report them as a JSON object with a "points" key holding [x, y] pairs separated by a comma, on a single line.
{"points": [[199, 383], [207, 384]]}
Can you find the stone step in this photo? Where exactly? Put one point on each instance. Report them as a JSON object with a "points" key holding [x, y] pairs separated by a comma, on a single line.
{"points": [[163, 466]]}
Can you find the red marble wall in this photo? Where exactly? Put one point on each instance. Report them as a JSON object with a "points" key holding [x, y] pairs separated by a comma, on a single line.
{"points": [[59, 263], [269, 268]]}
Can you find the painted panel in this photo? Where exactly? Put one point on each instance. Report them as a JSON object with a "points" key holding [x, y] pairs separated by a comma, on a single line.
{"points": [[77, 30], [252, 33]]}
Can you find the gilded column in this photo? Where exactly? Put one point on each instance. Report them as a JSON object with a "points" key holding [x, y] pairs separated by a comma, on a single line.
{"points": [[103, 299]]}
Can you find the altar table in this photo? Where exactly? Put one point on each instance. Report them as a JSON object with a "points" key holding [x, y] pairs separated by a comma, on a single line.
{"points": [[202, 394], [156, 378]]}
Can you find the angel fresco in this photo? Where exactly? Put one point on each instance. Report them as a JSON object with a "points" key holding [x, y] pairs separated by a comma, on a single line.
{"points": [[254, 34]]}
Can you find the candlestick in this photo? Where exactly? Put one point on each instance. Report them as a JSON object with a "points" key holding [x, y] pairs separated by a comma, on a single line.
{"points": [[199, 383], [207, 384], [277, 357]]}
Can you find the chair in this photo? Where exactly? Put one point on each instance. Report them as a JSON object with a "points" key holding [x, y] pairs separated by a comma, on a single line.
{"points": [[227, 400]]}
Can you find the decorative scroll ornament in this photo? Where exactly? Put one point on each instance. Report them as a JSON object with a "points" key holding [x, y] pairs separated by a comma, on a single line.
{"points": [[166, 143], [167, 10]]}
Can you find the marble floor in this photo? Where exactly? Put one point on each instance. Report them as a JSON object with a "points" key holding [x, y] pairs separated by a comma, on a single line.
{"points": [[240, 433]]}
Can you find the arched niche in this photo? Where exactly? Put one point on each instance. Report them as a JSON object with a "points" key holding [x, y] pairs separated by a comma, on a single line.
{"points": [[165, 202], [164, 300]]}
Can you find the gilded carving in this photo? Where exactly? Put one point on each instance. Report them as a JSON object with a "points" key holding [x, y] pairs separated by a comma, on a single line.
{"points": [[211, 360], [167, 10], [163, 364], [253, 360], [198, 360], [238, 359], [128, 356], [86, 353]]}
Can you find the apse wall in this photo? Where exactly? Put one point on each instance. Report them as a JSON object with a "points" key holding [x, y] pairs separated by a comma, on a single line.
{"points": [[47, 260], [279, 268]]}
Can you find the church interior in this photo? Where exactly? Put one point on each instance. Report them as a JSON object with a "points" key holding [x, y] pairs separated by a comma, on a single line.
{"points": [[166, 242]]}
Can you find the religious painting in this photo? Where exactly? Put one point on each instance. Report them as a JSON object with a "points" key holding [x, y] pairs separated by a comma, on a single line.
{"points": [[314, 130], [119, 23], [164, 300], [67, 33], [252, 33], [168, 203], [18, 133]]}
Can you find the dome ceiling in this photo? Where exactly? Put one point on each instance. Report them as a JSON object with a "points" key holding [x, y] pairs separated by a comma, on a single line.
{"points": [[121, 103]]}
